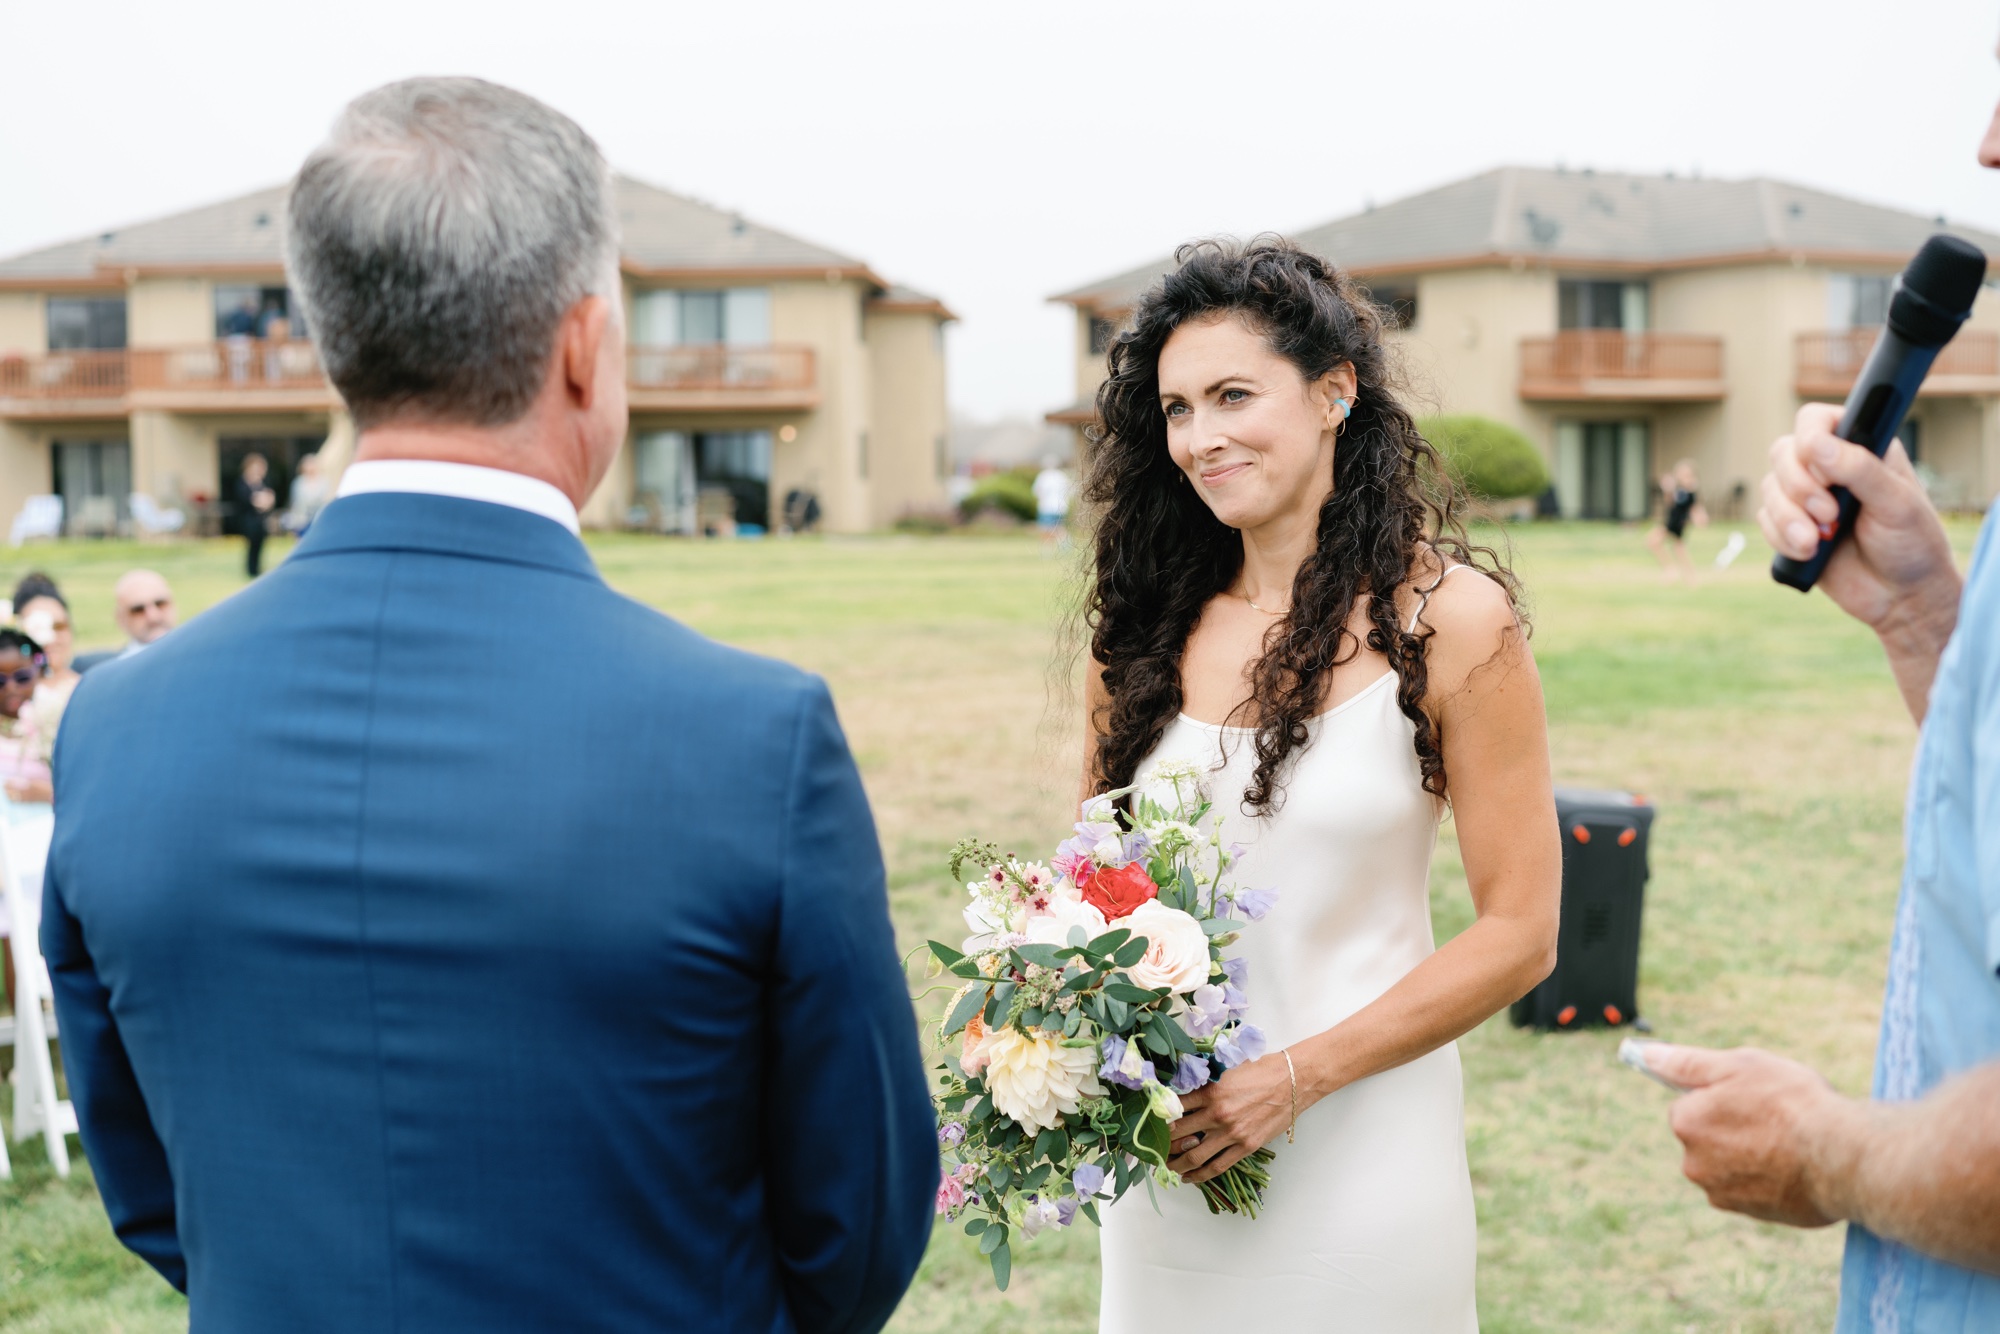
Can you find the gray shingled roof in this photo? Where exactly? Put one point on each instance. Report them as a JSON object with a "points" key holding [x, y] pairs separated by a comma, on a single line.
{"points": [[662, 230], [1581, 217]]}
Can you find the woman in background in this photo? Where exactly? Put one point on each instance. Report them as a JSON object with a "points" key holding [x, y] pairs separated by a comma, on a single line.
{"points": [[42, 613], [24, 752], [1680, 503]]}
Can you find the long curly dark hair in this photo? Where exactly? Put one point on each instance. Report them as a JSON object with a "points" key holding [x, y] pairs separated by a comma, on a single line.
{"points": [[1161, 554]]}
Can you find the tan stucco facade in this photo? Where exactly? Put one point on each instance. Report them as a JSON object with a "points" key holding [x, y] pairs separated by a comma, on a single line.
{"points": [[862, 434]]}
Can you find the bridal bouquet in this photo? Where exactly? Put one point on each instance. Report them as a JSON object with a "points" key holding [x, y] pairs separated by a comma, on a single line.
{"points": [[1096, 993]]}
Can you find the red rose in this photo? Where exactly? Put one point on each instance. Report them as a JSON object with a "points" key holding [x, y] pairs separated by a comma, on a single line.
{"points": [[1116, 891]]}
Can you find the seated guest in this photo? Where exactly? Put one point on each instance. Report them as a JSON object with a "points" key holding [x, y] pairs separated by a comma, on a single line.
{"points": [[42, 613], [24, 746], [144, 610]]}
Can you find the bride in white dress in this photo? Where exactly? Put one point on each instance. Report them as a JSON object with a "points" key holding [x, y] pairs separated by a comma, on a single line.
{"points": [[1276, 600]]}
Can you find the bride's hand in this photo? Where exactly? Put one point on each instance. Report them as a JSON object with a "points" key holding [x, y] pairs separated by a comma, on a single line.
{"points": [[1234, 1117]]}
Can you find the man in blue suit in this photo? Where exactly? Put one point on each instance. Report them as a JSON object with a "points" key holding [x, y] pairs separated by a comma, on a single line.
{"points": [[441, 941]]}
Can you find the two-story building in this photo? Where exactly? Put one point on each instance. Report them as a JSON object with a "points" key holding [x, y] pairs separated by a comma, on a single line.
{"points": [[1625, 322], [151, 358]]}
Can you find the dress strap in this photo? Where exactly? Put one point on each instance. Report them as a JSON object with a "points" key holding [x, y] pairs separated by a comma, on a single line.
{"points": [[1424, 597]]}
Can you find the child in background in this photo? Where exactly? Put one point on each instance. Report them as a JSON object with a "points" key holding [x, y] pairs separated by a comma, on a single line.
{"points": [[1680, 504]]}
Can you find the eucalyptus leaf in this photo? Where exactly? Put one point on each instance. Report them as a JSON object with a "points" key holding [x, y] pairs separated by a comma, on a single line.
{"points": [[1003, 1266], [1117, 1013], [961, 1013], [1130, 952], [944, 954], [1111, 940], [1041, 955], [1217, 926], [991, 1240], [975, 1226], [1125, 991]]}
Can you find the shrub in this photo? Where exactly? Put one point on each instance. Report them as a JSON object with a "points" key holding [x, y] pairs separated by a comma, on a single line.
{"points": [[1009, 492], [1490, 459]]}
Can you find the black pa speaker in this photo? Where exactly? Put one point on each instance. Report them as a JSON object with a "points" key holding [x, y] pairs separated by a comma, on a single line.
{"points": [[1596, 979]]}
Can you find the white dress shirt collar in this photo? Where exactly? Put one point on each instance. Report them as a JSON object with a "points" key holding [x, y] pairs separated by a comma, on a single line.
{"points": [[466, 481]]}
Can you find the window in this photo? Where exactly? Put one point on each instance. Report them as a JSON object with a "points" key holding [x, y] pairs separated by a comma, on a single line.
{"points": [[735, 464], [1101, 333], [1857, 300], [666, 480], [669, 317], [94, 479], [77, 323], [243, 310], [1588, 304], [1601, 470], [1398, 302]]}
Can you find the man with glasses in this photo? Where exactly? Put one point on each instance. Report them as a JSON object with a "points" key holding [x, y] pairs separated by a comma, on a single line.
{"points": [[144, 611]]}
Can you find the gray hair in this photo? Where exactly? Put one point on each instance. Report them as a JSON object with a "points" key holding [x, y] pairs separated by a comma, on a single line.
{"points": [[437, 238]]}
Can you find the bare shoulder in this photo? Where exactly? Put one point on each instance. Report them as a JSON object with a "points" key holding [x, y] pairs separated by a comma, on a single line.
{"points": [[1473, 624]]}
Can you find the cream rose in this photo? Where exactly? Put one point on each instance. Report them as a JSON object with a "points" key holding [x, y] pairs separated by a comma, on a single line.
{"points": [[1037, 1080], [1176, 947]]}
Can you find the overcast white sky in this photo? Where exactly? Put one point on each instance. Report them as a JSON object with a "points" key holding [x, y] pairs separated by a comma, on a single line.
{"points": [[996, 153]]}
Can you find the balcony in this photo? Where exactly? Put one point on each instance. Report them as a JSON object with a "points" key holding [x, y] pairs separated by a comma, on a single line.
{"points": [[1828, 360], [235, 375], [715, 377], [1585, 365], [251, 375]]}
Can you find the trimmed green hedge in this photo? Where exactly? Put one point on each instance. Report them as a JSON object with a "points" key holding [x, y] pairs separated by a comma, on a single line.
{"points": [[1009, 492], [1490, 459]]}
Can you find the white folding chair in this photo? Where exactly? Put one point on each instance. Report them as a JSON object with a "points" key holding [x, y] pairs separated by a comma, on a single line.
{"points": [[24, 854], [40, 516]]}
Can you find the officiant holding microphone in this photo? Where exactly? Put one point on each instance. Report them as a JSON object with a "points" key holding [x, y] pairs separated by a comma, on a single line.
{"points": [[1916, 1170]]}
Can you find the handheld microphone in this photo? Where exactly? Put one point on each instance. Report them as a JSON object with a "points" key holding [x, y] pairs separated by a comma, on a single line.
{"points": [[1931, 298]]}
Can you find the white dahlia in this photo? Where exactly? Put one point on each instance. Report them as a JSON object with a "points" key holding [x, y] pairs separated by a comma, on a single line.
{"points": [[1035, 1079]]}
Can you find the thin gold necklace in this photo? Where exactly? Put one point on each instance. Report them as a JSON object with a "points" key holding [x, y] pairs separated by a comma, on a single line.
{"points": [[1254, 607]]}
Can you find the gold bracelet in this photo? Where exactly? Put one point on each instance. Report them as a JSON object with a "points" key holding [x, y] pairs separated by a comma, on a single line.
{"points": [[1292, 1131]]}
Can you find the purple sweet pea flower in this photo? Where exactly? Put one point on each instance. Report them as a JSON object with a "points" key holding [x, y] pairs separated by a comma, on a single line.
{"points": [[1234, 1002], [1238, 969], [1190, 1074], [1222, 909], [1256, 902], [1137, 844], [1124, 1065], [1066, 1210], [1238, 1045], [1088, 1180], [1208, 1010], [951, 1133]]}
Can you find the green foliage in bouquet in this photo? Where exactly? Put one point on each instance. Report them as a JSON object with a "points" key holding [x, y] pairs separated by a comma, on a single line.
{"points": [[1095, 993]]}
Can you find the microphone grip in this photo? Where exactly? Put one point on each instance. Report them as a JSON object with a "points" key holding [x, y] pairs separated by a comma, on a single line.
{"points": [[1803, 574]]}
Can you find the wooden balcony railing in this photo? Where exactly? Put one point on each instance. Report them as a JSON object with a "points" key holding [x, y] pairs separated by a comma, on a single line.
{"points": [[712, 367], [62, 376], [1581, 364], [252, 373], [1828, 361]]}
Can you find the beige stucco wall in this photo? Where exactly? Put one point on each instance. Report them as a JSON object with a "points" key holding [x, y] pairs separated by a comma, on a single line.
{"points": [[24, 327], [162, 312], [174, 456], [25, 467], [906, 431], [826, 456]]}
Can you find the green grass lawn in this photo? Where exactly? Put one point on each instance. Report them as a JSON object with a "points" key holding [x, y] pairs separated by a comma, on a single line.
{"points": [[1763, 724]]}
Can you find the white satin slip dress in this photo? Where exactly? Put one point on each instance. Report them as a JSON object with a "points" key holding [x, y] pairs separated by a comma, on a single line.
{"points": [[1368, 1222]]}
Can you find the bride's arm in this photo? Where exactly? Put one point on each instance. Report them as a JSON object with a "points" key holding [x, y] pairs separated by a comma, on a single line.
{"points": [[1487, 700]]}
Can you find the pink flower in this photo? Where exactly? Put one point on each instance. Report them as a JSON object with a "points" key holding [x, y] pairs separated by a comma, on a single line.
{"points": [[950, 1194], [970, 1058]]}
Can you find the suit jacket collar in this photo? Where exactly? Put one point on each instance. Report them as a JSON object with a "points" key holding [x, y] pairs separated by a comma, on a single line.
{"points": [[445, 525]]}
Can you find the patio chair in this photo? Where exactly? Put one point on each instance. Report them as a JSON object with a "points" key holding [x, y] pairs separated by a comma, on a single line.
{"points": [[153, 519], [40, 516], [95, 516], [24, 854]]}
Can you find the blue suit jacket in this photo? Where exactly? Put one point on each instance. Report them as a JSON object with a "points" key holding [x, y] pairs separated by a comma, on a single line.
{"points": [[442, 941]]}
